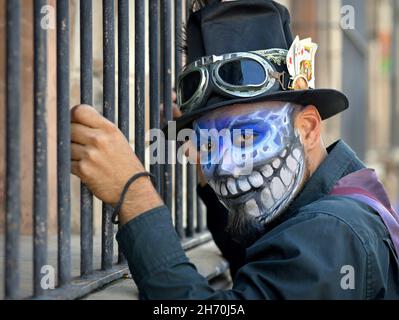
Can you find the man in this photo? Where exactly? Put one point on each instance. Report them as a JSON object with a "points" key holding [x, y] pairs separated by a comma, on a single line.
{"points": [[303, 221]]}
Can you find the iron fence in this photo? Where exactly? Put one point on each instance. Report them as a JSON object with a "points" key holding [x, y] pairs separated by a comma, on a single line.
{"points": [[163, 25]]}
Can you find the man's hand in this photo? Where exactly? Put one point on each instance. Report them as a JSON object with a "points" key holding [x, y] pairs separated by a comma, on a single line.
{"points": [[103, 159], [176, 113]]}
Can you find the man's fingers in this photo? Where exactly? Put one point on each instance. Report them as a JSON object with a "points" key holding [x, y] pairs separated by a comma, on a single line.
{"points": [[88, 116], [75, 168], [78, 151], [82, 134], [176, 112]]}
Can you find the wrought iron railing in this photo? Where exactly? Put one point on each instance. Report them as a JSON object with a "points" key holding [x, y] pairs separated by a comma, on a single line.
{"points": [[177, 188]]}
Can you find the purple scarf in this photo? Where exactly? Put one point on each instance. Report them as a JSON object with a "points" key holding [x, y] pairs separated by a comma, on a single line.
{"points": [[363, 185]]}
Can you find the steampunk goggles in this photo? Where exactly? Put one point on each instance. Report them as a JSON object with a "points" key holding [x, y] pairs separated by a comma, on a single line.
{"points": [[237, 75]]}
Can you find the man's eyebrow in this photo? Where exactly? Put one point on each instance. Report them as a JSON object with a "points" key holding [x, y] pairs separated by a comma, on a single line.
{"points": [[240, 121]]}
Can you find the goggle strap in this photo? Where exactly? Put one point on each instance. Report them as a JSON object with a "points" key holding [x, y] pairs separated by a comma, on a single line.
{"points": [[282, 78]]}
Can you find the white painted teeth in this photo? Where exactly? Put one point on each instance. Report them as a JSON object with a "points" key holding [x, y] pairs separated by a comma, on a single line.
{"points": [[266, 198], [243, 184], [223, 190], [212, 183], [291, 163], [277, 188], [231, 186], [297, 154], [280, 175], [268, 195], [217, 187], [256, 179], [267, 171], [252, 208], [286, 176], [276, 163]]}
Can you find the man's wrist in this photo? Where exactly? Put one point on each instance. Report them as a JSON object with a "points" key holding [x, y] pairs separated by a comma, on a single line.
{"points": [[140, 198]]}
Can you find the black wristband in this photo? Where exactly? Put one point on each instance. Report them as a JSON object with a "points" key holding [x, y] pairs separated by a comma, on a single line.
{"points": [[123, 194]]}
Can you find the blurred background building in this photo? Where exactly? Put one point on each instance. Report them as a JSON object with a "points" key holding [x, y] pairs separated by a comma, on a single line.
{"points": [[358, 54]]}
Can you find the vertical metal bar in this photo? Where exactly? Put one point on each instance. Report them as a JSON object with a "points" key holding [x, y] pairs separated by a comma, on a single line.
{"points": [[191, 173], [191, 177], [13, 203], [63, 145], [154, 80], [109, 113], [86, 97], [123, 75], [178, 38], [123, 67], [179, 167], [161, 96], [179, 195], [167, 94], [40, 188], [200, 216], [139, 86]]}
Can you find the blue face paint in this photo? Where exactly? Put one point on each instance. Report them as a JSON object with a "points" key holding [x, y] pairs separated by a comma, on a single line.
{"points": [[253, 160]]}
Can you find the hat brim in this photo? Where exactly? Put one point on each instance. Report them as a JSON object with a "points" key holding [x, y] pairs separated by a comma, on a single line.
{"points": [[328, 102]]}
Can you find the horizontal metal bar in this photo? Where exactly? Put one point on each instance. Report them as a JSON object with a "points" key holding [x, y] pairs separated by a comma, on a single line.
{"points": [[79, 287], [40, 188], [199, 239], [13, 168]]}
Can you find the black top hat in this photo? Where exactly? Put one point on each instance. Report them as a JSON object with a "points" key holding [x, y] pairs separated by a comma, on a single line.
{"points": [[249, 25]]}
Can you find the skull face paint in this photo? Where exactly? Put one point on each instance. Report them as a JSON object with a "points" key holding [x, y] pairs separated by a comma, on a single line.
{"points": [[267, 137]]}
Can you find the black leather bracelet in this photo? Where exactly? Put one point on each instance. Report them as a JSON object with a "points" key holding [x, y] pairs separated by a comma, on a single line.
{"points": [[124, 191]]}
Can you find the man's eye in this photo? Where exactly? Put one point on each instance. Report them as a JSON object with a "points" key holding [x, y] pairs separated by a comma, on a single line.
{"points": [[245, 139], [207, 147]]}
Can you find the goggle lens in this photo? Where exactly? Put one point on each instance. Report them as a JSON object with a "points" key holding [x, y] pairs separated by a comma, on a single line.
{"points": [[189, 85], [243, 72]]}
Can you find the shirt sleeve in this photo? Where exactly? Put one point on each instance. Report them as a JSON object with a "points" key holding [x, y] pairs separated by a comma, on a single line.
{"points": [[310, 258]]}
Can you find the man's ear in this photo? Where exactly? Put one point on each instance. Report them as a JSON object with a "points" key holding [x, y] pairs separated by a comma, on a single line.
{"points": [[308, 122]]}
